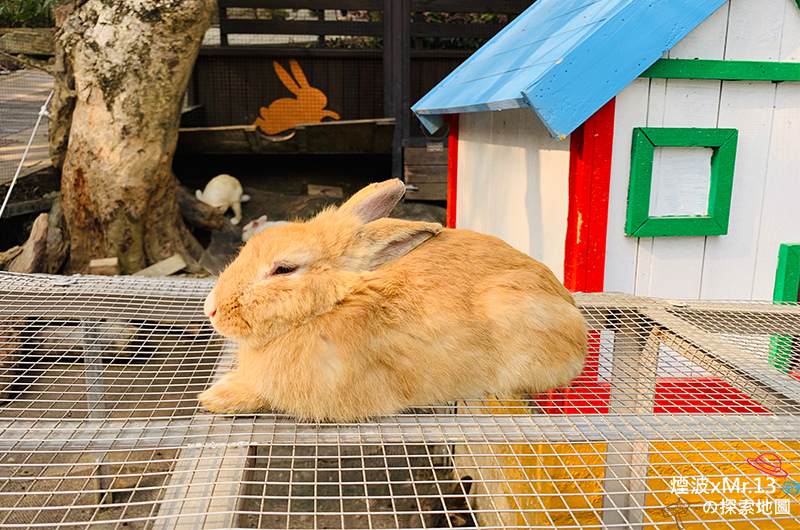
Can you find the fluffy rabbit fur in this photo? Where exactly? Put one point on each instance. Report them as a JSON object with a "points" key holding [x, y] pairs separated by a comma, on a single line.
{"points": [[223, 192], [352, 315]]}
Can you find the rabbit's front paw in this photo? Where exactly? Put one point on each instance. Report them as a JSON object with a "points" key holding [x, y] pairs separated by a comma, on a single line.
{"points": [[230, 396]]}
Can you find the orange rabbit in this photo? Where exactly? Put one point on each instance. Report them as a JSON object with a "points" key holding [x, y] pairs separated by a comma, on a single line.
{"points": [[286, 113], [352, 315]]}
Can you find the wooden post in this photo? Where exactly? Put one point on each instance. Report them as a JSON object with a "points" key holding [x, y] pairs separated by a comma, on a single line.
{"points": [[396, 74], [95, 402], [452, 169], [636, 344], [223, 17], [587, 218]]}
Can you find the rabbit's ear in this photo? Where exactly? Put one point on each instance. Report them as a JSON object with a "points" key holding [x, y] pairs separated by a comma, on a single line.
{"points": [[386, 240], [374, 201], [199, 195], [285, 78], [298, 74]]}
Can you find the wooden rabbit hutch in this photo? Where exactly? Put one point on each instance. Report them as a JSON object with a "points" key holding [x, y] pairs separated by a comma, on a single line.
{"points": [[101, 429], [333, 77]]}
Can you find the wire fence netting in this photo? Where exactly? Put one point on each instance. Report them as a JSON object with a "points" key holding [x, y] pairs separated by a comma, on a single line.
{"points": [[686, 414]]}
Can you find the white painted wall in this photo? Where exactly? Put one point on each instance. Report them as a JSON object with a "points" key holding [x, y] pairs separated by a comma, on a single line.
{"points": [[766, 189], [513, 182]]}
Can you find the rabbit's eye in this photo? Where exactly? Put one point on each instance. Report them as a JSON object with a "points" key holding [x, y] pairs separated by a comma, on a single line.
{"points": [[284, 270]]}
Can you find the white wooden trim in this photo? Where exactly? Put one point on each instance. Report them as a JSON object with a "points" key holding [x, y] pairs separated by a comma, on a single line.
{"points": [[790, 42], [474, 129], [621, 251], [730, 261], [755, 30], [781, 220], [513, 181], [706, 41]]}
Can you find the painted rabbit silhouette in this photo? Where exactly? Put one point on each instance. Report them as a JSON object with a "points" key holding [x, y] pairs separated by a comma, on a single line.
{"points": [[286, 113]]}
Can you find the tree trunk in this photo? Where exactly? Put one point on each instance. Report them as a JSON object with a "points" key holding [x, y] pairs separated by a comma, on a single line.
{"points": [[131, 61]]}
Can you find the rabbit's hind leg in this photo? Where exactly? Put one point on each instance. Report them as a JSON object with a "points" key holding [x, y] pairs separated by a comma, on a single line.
{"points": [[237, 212], [231, 395], [541, 337]]}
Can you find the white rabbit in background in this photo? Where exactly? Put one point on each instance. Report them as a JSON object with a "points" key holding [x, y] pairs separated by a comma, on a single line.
{"points": [[223, 192], [254, 227]]}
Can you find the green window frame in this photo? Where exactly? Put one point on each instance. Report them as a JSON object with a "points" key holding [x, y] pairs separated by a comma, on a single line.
{"points": [[639, 222]]}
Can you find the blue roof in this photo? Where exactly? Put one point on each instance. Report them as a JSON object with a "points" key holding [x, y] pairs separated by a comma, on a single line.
{"points": [[564, 58]]}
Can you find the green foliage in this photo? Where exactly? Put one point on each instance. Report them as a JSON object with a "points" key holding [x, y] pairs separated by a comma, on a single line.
{"points": [[456, 43], [26, 13]]}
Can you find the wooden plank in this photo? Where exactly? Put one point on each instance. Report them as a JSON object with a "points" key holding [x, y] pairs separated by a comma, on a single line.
{"points": [[631, 111], [707, 40], [104, 266], [303, 27], [427, 192], [351, 136], [674, 265], [790, 36], [205, 489], [752, 30], [425, 174], [787, 289], [747, 311], [644, 256], [781, 217], [731, 263], [725, 70], [491, 77], [475, 131], [165, 267], [217, 140], [332, 137], [452, 169], [787, 277], [26, 207], [422, 156], [587, 218], [729, 266], [546, 191], [27, 41], [506, 180], [732, 321]]}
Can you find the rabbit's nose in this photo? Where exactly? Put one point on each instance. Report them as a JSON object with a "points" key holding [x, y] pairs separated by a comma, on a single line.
{"points": [[208, 306]]}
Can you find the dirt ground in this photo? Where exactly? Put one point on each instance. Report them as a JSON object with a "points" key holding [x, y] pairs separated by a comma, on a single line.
{"points": [[279, 185]]}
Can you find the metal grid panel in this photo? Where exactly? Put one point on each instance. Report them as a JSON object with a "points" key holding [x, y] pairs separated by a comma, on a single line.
{"points": [[101, 429]]}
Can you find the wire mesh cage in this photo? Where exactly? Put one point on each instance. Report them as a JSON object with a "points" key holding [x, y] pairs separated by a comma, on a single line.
{"points": [[686, 416]]}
